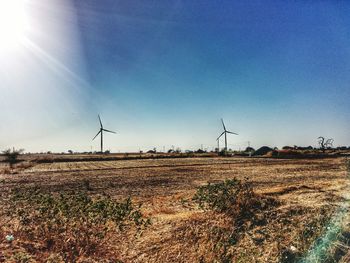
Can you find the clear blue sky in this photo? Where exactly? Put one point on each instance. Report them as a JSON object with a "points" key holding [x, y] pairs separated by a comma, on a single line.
{"points": [[163, 73]]}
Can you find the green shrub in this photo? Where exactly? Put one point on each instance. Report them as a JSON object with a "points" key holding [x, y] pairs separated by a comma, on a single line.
{"points": [[232, 197], [218, 196]]}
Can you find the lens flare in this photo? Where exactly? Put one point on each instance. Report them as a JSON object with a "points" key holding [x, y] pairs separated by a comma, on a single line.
{"points": [[13, 24], [321, 249], [41, 67]]}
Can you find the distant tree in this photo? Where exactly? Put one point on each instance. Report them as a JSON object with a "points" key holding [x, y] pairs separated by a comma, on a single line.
{"points": [[309, 148], [329, 143], [70, 151], [287, 148], [325, 144], [304, 148], [12, 156], [342, 148], [170, 151]]}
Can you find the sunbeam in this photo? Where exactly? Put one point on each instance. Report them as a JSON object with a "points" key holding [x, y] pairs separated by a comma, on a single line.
{"points": [[37, 70], [13, 24]]}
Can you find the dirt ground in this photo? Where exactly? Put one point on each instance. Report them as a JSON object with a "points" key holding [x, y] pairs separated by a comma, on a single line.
{"points": [[305, 189]]}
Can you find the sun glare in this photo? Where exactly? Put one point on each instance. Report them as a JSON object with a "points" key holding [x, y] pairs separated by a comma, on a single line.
{"points": [[12, 24]]}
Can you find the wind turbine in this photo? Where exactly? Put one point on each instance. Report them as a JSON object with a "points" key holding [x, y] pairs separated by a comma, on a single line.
{"points": [[101, 131], [224, 132]]}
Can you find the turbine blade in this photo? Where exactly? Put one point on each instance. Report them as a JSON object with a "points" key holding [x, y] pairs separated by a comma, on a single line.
{"points": [[97, 135], [100, 121], [232, 132], [220, 136], [108, 131], [223, 124]]}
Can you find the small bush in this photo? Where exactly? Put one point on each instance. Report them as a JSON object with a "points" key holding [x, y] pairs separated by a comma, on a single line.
{"points": [[232, 197], [218, 196], [12, 156], [241, 206]]}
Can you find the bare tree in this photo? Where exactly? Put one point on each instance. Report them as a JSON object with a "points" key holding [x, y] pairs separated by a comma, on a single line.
{"points": [[325, 144], [329, 143]]}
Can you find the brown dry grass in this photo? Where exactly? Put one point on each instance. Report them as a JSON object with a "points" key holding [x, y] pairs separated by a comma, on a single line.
{"points": [[308, 192]]}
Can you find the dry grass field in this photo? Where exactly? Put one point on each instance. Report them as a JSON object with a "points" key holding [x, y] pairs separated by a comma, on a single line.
{"points": [[291, 204]]}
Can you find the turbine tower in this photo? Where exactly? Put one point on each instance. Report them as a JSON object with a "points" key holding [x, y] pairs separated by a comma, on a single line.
{"points": [[225, 132], [101, 131]]}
